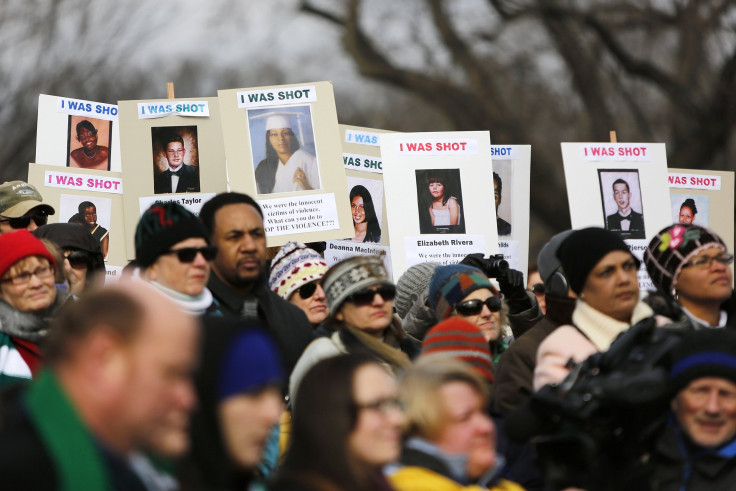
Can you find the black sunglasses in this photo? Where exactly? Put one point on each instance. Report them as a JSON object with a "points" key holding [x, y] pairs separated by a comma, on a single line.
{"points": [[475, 306], [187, 254], [366, 296], [78, 259], [24, 221], [538, 288], [306, 291]]}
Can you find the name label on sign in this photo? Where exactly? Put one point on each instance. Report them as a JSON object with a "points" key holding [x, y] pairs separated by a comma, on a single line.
{"points": [[363, 138], [438, 147], [271, 97], [96, 110], [197, 109], [113, 185], [616, 152], [694, 181]]}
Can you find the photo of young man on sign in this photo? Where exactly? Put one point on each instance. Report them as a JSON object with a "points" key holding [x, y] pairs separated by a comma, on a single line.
{"points": [[88, 143], [440, 201], [286, 161], [175, 159], [621, 198]]}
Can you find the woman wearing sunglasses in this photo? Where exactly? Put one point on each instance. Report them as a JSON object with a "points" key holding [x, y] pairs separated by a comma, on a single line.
{"points": [[465, 292], [173, 251], [28, 301], [360, 298], [689, 265], [296, 276]]}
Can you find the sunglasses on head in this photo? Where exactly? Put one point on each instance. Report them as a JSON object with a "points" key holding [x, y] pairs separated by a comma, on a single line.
{"points": [[475, 306], [306, 291], [187, 254], [366, 295], [78, 259], [25, 221]]}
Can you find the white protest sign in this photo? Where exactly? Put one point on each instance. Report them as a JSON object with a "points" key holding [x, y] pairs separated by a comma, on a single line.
{"points": [[97, 110], [314, 212], [283, 96], [68, 180]]}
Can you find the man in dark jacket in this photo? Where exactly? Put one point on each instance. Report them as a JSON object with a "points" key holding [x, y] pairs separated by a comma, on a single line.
{"points": [[239, 279]]}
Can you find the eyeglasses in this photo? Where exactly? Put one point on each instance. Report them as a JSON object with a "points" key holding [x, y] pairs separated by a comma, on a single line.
{"points": [[41, 272], [78, 259], [366, 296], [383, 406], [475, 306], [187, 254], [538, 289], [25, 221], [706, 261], [306, 291]]}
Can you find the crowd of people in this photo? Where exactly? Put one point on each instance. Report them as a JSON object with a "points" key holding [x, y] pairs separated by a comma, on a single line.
{"points": [[216, 364]]}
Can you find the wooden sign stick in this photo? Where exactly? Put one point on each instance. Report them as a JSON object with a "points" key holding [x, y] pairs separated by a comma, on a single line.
{"points": [[613, 137], [170, 90]]}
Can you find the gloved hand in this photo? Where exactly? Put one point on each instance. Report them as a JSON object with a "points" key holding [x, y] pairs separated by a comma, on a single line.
{"points": [[513, 288], [475, 260]]}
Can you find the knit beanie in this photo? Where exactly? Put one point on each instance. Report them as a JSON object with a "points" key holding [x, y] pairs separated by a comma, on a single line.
{"points": [[351, 275], [450, 284], [458, 338], [411, 285], [20, 244], [293, 266], [251, 363], [671, 248], [160, 227], [703, 353], [581, 251]]}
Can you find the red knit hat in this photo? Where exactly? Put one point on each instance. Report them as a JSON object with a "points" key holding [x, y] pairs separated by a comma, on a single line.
{"points": [[459, 339], [17, 245]]}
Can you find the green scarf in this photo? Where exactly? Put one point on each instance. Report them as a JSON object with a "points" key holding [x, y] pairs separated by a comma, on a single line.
{"points": [[78, 462]]}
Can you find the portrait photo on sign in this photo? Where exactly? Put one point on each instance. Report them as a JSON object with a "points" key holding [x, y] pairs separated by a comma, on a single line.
{"points": [[502, 186], [92, 213], [622, 202], [440, 201], [366, 207], [88, 143], [690, 209], [283, 149], [175, 156]]}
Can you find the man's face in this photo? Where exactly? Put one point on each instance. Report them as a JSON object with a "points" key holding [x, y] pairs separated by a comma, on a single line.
{"points": [[157, 396], [241, 244], [621, 196], [496, 194], [175, 154], [706, 411]]}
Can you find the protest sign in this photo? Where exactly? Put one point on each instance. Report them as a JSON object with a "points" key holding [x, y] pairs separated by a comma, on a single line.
{"points": [[77, 133], [621, 187], [705, 198], [511, 175], [172, 149], [438, 196], [90, 198], [282, 145]]}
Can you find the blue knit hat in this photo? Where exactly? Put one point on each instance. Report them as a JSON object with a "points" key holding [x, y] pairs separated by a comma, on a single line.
{"points": [[251, 363], [450, 284], [703, 353]]}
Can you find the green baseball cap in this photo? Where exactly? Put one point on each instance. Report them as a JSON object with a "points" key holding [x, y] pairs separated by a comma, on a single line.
{"points": [[18, 198]]}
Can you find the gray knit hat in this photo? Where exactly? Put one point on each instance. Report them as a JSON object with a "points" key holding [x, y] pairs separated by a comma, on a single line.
{"points": [[411, 285], [351, 275]]}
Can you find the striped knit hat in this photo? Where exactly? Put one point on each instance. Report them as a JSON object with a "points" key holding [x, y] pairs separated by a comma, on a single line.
{"points": [[411, 285], [671, 248], [295, 265], [351, 275], [459, 339], [450, 284]]}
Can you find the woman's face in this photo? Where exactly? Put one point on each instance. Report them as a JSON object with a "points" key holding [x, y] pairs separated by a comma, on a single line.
{"points": [[35, 294], [87, 138], [188, 278], [315, 306], [358, 209], [280, 140], [376, 438], [700, 285], [467, 429], [686, 215], [488, 322], [90, 215], [612, 286], [436, 189], [77, 277], [372, 318]]}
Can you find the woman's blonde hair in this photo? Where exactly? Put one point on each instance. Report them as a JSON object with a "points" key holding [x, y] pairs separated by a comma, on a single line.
{"points": [[420, 391]]}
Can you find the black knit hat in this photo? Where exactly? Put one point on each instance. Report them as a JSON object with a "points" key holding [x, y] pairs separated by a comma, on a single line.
{"points": [[581, 251], [160, 227], [671, 248], [703, 353]]}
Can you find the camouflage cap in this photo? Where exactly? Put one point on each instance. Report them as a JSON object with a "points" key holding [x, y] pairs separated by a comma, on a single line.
{"points": [[18, 198]]}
